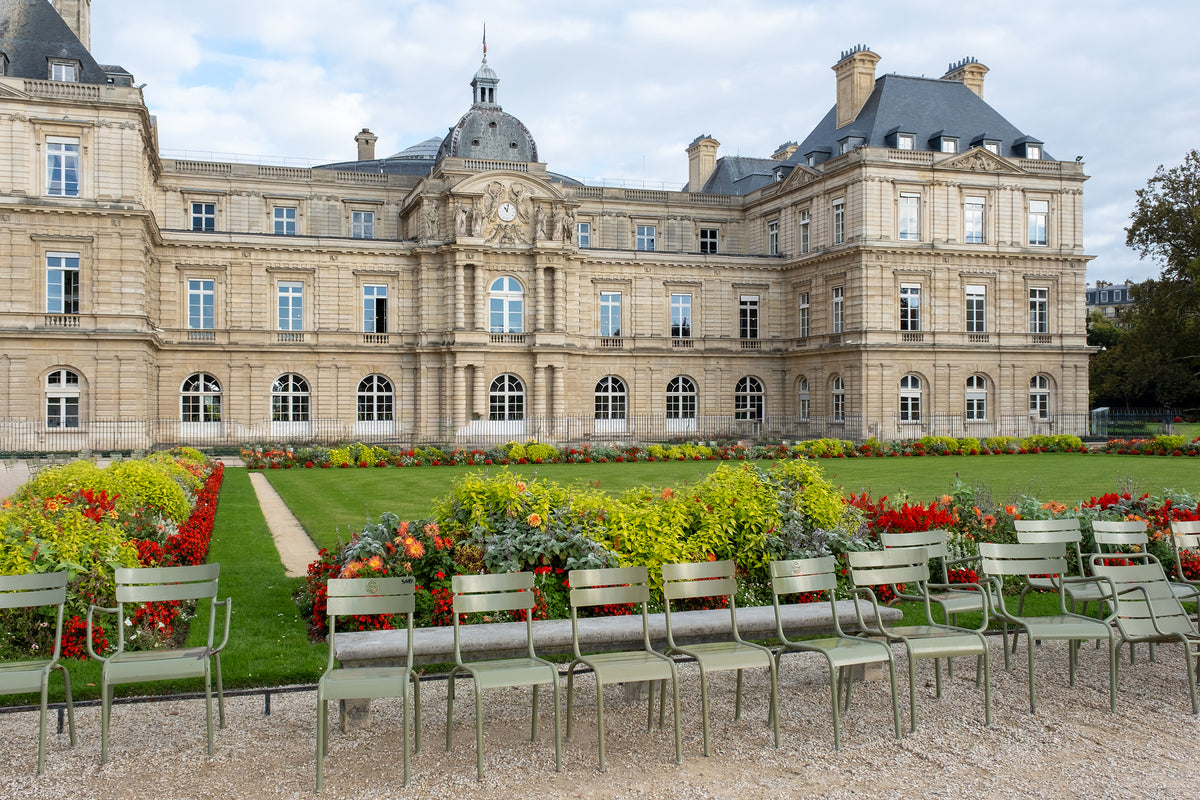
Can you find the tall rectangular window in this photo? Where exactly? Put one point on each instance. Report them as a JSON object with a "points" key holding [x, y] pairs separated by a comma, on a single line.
{"points": [[805, 231], [803, 318], [748, 316], [908, 217], [610, 313], [839, 296], [62, 283], [62, 166], [973, 209], [839, 221], [291, 306], [976, 309], [374, 308], [362, 224], [1039, 212], [204, 216], [1039, 310], [708, 240], [681, 316], [773, 238], [583, 234], [284, 218], [645, 237], [910, 307], [201, 293]]}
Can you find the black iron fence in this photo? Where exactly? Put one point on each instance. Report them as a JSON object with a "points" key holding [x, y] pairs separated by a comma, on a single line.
{"points": [[123, 435]]}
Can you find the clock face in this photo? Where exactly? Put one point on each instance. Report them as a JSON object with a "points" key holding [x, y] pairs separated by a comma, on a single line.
{"points": [[507, 212]]}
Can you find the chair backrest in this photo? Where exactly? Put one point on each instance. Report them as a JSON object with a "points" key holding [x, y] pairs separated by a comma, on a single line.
{"points": [[1067, 530], [138, 585], [804, 575], [1185, 535], [33, 590], [1025, 560], [1110, 536], [369, 596], [934, 542], [1134, 606], [895, 566], [699, 579], [505, 591], [609, 586], [156, 584]]}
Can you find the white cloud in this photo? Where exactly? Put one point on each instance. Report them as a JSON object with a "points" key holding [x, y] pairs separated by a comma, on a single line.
{"points": [[618, 89]]}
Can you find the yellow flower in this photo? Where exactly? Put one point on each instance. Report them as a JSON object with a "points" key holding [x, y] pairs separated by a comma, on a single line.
{"points": [[375, 563], [534, 520], [520, 487]]}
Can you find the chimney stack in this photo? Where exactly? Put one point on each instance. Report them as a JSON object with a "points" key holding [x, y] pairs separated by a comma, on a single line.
{"points": [[78, 16], [970, 72], [366, 145], [702, 160], [855, 82]]}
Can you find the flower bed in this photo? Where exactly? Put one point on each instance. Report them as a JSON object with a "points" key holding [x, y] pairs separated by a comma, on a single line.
{"points": [[358, 454], [1158, 446], [157, 511], [498, 523]]}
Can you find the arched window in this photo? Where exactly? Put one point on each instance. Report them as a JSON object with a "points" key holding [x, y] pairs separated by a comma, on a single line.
{"points": [[837, 390], [748, 399], [1039, 397], [976, 398], [62, 399], [376, 401], [506, 306], [610, 398], [290, 399], [802, 399], [200, 399], [910, 399], [681, 398], [506, 399]]}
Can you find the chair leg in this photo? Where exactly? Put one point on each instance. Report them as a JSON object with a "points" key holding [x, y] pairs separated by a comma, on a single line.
{"points": [[600, 717], [737, 703], [449, 707], [773, 713], [208, 723], [407, 733], [105, 719], [533, 724], [1112, 674], [322, 745], [69, 702], [912, 695], [937, 677], [650, 706], [834, 692], [571, 698], [220, 693], [704, 706], [1032, 700], [41, 764], [987, 690], [478, 731], [678, 722], [895, 700], [557, 723], [416, 713]]}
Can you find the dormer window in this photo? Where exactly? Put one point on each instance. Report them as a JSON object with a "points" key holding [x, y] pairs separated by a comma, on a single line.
{"points": [[987, 143], [943, 143], [1029, 147], [849, 143], [64, 71], [3, 65], [949, 145], [1033, 151], [905, 141]]}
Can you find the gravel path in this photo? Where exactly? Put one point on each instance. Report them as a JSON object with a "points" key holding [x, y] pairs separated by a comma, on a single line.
{"points": [[1073, 747]]}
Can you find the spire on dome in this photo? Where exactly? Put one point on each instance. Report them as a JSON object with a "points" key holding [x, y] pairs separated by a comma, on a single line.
{"points": [[483, 85]]}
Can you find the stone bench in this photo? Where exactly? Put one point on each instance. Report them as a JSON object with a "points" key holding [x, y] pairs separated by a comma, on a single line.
{"points": [[596, 634]]}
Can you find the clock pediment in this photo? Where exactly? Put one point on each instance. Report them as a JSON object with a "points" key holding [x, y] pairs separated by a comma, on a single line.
{"points": [[979, 159]]}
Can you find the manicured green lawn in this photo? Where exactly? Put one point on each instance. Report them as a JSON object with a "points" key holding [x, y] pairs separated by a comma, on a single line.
{"points": [[333, 503]]}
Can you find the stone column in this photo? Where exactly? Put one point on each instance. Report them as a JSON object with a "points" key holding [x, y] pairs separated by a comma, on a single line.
{"points": [[459, 297], [479, 395], [539, 393], [481, 299], [460, 396], [559, 399]]}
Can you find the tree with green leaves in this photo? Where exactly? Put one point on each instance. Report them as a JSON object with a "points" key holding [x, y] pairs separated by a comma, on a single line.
{"points": [[1152, 356]]}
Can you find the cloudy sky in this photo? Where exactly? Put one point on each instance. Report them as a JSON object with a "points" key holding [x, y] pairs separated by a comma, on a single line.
{"points": [[616, 90]]}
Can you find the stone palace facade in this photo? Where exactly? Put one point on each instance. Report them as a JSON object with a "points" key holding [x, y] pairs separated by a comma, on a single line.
{"points": [[913, 266]]}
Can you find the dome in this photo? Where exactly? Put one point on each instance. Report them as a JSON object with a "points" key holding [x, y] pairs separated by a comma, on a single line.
{"points": [[487, 132]]}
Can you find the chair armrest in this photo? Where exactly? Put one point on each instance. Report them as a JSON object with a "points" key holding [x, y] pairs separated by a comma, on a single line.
{"points": [[1112, 592], [867, 592], [228, 603], [954, 562], [91, 611], [972, 587]]}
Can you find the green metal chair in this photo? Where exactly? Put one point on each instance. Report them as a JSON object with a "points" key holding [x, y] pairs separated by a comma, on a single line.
{"points": [[1146, 609], [1023, 560], [910, 565], [474, 594], [1069, 533], [841, 651], [151, 585], [598, 587], [354, 596], [1118, 537], [33, 675], [715, 579]]}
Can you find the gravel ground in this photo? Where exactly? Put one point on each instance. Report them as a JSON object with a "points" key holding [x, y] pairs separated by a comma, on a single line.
{"points": [[1072, 747]]}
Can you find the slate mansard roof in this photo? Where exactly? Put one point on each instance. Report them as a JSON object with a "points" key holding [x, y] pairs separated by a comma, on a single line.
{"points": [[924, 107], [32, 33]]}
